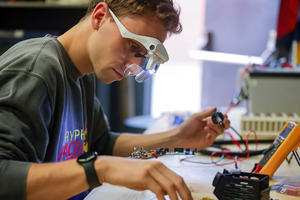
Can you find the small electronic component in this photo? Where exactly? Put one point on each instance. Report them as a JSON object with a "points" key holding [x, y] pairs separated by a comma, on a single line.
{"points": [[143, 154], [177, 151], [140, 154]]}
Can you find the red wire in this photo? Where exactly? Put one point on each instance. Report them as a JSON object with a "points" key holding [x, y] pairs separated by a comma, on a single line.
{"points": [[225, 152], [247, 143], [256, 141], [232, 106], [233, 140]]}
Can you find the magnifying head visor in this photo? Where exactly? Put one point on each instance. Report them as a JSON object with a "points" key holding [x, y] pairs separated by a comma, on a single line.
{"points": [[156, 53]]}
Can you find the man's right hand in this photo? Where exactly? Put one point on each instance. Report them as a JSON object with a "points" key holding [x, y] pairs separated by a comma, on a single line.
{"points": [[142, 175]]}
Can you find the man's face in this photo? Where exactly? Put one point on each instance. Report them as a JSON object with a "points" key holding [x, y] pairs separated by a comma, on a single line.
{"points": [[111, 54]]}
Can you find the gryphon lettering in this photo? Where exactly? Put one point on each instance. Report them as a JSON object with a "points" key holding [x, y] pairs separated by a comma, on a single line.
{"points": [[73, 145]]}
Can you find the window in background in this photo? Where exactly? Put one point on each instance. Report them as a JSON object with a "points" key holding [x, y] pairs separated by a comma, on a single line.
{"points": [[177, 85]]}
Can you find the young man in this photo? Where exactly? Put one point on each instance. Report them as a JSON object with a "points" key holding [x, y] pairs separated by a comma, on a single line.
{"points": [[49, 113]]}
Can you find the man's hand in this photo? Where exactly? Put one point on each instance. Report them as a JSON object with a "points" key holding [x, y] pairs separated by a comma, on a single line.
{"points": [[199, 131], [142, 175]]}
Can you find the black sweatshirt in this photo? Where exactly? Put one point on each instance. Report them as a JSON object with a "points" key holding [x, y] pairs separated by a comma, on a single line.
{"points": [[48, 112]]}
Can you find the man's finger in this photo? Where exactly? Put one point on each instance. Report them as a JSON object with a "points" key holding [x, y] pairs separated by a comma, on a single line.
{"points": [[155, 187], [206, 113], [175, 183], [163, 177]]}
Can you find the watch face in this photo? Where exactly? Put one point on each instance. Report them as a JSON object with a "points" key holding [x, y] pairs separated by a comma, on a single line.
{"points": [[86, 157]]}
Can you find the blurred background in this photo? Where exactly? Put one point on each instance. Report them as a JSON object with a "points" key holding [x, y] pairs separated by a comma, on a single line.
{"points": [[188, 83]]}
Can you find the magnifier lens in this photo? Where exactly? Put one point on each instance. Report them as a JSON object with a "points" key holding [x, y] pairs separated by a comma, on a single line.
{"points": [[145, 74], [140, 73], [133, 70], [142, 76]]}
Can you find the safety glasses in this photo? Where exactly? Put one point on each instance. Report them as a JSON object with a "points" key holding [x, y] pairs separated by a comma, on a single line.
{"points": [[156, 53]]}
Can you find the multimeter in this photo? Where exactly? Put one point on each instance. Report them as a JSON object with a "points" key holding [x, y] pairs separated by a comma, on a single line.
{"points": [[287, 141]]}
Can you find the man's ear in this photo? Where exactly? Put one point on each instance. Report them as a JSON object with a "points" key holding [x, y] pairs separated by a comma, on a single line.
{"points": [[100, 13]]}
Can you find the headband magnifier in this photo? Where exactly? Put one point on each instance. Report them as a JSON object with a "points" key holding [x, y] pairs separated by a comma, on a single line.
{"points": [[156, 53]]}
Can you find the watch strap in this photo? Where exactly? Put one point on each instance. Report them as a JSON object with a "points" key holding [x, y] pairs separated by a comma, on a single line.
{"points": [[91, 175]]}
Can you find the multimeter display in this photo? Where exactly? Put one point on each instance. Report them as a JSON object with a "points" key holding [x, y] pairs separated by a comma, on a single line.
{"points": [[287, 130]]}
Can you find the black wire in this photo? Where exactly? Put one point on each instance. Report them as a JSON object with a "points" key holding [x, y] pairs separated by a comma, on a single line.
{"points": [[218, 143], [241, 138], [243, 154]]}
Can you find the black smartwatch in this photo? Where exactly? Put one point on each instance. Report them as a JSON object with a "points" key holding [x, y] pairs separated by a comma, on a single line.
{"points": [[87, 161]]}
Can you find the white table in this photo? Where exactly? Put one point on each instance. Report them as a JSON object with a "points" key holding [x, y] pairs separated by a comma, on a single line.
{"points": [[199, 178]]}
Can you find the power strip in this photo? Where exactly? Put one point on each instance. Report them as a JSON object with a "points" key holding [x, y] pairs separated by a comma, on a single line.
{"points": [[266, 125]]}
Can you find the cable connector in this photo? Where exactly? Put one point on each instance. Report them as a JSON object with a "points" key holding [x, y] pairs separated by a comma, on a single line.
{"points": [[217, 117]]}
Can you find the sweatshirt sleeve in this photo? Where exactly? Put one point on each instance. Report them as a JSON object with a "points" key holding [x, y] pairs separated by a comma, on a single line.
{"points": [[13, 179], [24, 114]]}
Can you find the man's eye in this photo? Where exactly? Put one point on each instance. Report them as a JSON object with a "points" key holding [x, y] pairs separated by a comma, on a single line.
{"points": [[133, 47], [139, 55]]}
